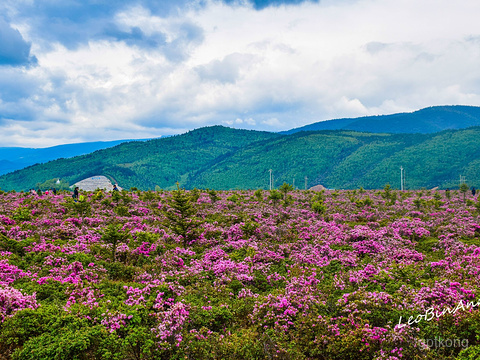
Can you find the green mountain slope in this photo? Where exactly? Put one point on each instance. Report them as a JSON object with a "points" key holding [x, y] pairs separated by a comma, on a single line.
{"points": [[223, 158], [14, 158], [424, 121], [144, 165], [335, 159]]}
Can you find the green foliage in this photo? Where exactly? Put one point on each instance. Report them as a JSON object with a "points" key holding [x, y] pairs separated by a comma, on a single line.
{"points": [[275, 196], [116, 196], [99, 195], [258, 195], [447, 194], [118, 271], [463, 189], [250, 227], [428, 246], [49, 333], [387, 191], [194, 195], [418, 202], [82, 207], [114, 235], [213, 196], [319, 207], [181, 216], [470, 353], [22, 214], [121, 210], [53, 183], [147, 195], [49, 292], [233, 198], [14, 246], [365, 202], [319, 196], [285, 188]]}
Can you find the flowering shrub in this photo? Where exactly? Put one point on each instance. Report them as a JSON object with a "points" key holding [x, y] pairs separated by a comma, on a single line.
{"points": [[239, 274], [12, 300]]}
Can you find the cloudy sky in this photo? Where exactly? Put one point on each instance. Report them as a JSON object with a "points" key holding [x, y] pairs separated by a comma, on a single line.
{"points": [[88, 70]]}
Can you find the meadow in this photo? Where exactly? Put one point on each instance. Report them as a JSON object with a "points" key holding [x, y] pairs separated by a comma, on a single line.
{"points": [[259, 274]]}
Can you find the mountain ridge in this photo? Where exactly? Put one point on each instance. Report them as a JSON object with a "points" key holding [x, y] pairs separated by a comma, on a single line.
{"points": [[223, 158], [427, 120], [16, 158]]}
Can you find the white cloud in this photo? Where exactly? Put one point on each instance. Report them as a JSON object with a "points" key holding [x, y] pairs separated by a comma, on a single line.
{"points": [[274, 69], [274, 122], [250, 121]]}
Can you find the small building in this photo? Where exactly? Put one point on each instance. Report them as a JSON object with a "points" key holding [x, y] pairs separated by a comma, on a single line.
{"points": [[318, 188], [95, 182]]}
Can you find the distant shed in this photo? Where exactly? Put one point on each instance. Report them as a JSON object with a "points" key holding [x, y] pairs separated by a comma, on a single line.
{"points": [[95, 182], [318, 188]]}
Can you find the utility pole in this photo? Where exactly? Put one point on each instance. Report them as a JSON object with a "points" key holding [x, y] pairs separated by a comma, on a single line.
{"points": [[293, 183], [462, 180], [270, 179], [401, 178], [306, 182]]}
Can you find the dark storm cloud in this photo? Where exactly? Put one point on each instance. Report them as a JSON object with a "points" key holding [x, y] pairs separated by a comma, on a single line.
{"points": [[14, 50], [75, 22]]}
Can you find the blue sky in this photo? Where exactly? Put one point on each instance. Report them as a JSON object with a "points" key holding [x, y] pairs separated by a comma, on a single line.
{"points": [[88, 70]]}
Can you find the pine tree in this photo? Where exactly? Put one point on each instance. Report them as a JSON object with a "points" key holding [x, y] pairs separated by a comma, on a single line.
{"points": [[464, 189], [285, 188], [181, 216], [275, 196], [114, 235]]}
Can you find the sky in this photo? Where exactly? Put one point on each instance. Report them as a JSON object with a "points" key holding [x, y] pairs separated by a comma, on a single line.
{"points": [[96, 70]]}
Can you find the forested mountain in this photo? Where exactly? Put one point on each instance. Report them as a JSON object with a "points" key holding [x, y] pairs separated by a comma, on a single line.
{"points": [[14, 158], [224, 158], [424, 121], [146, 164], [428, 120]]}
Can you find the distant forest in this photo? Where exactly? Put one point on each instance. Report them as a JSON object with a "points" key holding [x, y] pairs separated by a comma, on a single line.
{"points": [[223, 158]]}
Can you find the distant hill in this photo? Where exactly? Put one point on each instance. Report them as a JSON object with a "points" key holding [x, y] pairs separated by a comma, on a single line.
{"points": [[424, 121], [224, 158], [14, 158], [143, 164]]}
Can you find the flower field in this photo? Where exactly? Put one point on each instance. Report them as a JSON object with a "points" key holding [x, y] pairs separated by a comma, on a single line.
{"points": [[240, 275]]}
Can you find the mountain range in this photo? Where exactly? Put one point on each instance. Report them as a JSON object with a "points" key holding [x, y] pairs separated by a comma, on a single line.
{"points": [[15, 158], [424, 121], [223, 158]]}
